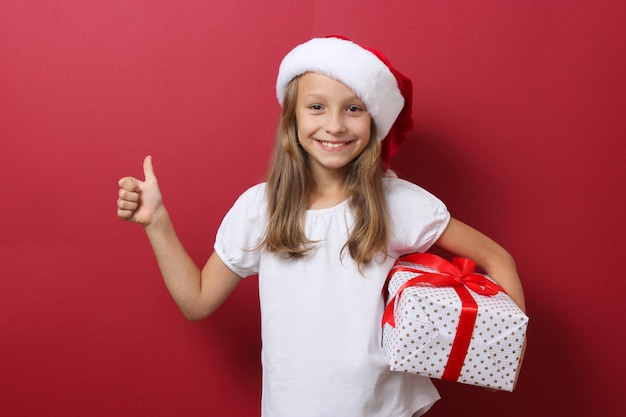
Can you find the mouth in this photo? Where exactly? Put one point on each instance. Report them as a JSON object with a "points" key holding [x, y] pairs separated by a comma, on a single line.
{"points": [[333, 145]]}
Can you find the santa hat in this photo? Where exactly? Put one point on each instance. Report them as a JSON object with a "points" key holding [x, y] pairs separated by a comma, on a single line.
{"points": [[385, 91]]}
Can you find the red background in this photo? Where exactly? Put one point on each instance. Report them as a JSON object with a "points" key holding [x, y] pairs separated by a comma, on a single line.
{"points": [[519, 110]]}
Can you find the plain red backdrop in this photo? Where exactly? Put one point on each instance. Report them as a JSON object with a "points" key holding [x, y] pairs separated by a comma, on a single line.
{"points": [[519, 113]]}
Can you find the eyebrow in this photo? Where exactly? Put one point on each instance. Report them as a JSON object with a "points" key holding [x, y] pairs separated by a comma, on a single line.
{"points": [[315, 96]]}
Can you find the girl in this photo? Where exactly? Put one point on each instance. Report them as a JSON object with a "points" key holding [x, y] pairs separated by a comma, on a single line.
{"points": [[322, 234]]}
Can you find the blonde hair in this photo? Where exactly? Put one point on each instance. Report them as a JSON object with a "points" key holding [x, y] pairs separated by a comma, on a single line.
{"points": [[289, 184]]}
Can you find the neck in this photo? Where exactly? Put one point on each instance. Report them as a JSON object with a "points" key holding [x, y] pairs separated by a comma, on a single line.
{"points": [[328, 191]]}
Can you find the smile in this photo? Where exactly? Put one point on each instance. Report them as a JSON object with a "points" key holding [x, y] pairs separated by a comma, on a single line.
{"points": [[333, 145]]}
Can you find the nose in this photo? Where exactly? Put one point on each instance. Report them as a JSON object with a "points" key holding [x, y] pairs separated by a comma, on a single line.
{"points": [[334, 122]]}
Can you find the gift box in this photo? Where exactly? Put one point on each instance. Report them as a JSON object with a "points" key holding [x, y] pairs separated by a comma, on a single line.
{"points": [[442, 320]]}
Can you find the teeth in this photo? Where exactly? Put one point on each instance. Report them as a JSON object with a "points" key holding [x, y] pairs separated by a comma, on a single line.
{"points": [[332, 144]]}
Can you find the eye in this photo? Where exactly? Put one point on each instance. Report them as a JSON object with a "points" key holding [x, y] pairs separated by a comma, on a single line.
{"points": [[354, 109], [316, 107]]}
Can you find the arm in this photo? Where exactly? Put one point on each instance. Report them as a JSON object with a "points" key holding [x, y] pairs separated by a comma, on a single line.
{"points": [[467, 242], [196, 292], [463, 240]]}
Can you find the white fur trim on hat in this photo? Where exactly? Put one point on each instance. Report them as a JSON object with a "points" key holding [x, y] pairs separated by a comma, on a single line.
{"points": [[362, 71]]}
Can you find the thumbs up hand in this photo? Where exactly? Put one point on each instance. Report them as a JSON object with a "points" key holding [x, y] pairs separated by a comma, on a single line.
{"points": [[140, 201]]}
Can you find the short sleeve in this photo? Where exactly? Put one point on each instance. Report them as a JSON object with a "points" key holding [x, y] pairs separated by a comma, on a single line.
{"points": [[417, 217], [241, 231]]}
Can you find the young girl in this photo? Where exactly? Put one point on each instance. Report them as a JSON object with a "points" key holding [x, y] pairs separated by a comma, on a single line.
{"points": [[322, 233]]}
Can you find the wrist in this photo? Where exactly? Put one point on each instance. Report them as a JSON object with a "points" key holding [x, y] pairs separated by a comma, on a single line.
{"points": [[160, 221]]}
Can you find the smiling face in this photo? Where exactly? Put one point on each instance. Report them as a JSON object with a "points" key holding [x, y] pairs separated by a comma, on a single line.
{"points": [[333, 124]]}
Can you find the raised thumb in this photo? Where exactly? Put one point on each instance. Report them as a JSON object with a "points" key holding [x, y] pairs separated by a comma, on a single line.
{"points": [[148, 169]]}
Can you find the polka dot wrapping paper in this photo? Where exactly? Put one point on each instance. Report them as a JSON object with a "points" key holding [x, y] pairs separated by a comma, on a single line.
{"points": [[448, 322]]}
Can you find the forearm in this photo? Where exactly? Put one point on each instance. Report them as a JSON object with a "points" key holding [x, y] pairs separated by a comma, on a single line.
{"points": [[462, 240], [180, 273], [501, 267]]}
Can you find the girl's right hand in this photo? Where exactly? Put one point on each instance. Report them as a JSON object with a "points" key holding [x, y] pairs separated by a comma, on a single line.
{"points": [[140, 201]]}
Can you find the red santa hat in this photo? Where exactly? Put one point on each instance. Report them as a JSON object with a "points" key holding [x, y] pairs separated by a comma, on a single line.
{"points": [[386, 92]]}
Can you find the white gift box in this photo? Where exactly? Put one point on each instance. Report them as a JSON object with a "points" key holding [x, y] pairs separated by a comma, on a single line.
{"points": [[446, 329]]}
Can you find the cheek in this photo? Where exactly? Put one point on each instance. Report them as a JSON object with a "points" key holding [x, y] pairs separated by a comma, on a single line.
{"points": [[363, 128], [304, 126]]}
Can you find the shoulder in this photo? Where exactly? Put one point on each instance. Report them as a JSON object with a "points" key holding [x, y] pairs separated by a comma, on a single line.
{"points": [[242, 230], [408, 203], [417, 218], [250, 205], [253, 196], [255, 192], [243, 224], [398, 189]]}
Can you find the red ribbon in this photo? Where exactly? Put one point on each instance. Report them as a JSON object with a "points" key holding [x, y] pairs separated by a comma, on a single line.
{"points": [[459, 275]]}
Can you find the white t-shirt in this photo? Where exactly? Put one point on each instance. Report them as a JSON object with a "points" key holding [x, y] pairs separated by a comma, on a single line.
{"points": [[321, 318]]}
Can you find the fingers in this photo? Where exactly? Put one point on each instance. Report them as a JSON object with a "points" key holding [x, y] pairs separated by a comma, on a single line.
{"points": [[127, 202], [128, 197], [125, 214], [148, 169], [129, 183], [133, 184]]}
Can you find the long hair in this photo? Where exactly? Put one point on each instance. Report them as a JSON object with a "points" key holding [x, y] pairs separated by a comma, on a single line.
{"points": [[289, 184]]}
